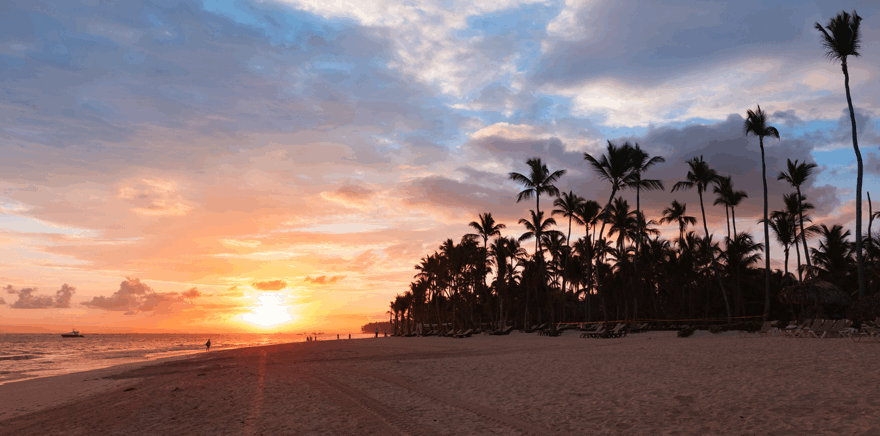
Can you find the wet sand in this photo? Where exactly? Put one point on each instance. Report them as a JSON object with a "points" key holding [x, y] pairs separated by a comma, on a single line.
{"points": [[647, 383]]}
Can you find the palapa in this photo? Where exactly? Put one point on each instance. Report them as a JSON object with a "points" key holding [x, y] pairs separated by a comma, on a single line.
{"points": [[814, 292]]}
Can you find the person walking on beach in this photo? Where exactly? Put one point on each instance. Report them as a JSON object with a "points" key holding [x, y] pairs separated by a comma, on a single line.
{"points": [[377, 332], [349, 336], [208, 345]]}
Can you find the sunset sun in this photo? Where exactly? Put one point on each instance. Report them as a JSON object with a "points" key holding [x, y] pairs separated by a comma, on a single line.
{"points": [[269, 312]]}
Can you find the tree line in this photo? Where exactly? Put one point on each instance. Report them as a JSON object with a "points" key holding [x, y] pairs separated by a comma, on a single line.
{"points": [[622, 268]]}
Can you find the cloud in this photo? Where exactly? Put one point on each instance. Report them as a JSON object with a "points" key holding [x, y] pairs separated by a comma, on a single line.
{"points": [[27, 299], [192, 293], [234, 292], [2, 301], [273, 285], [323, 280], [134, 296]]}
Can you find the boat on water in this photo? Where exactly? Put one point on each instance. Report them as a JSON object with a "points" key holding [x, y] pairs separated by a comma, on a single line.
{"points": [[73, 334]]}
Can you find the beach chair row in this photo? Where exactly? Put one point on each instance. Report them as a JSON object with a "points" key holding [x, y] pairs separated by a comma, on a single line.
{"points": [[818, 328], [868, 330], [619, 331]]}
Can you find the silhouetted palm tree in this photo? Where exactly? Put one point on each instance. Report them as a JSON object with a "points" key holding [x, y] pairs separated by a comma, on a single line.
{"points": [[756, 124], [641, 162], [701, 176], [834, 255], [740, 254], [797, 175], [486, 228], [844, 40], [677, 213], [797, 206], [784, 229], [615, 167], [729, 197]]}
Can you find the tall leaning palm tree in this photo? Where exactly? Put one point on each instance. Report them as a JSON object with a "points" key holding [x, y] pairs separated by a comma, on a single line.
{"points": [[700, 176], [844, 40], [614, 167], [756, 124], [797, 175], [568, 204]]}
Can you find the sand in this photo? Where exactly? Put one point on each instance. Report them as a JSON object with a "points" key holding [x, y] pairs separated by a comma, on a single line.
{"points": [[647, 383]]}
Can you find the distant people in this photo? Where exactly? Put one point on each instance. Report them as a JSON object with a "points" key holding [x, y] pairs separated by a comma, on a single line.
{"points": [[386, 333], [337, 336], [208, 345], [349, 336], [377, 332]]}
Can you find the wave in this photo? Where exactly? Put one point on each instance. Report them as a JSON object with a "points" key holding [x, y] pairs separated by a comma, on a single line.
{"points": [[20, 357]]}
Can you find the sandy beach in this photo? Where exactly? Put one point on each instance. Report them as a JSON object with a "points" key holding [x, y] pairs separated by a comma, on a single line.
{"points": [[647, 383]]}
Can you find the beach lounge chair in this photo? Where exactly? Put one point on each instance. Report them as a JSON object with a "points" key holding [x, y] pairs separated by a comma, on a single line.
{"points": [[595, 333], [505, 331], [619, 331], [817, 332], [836, 330], [765, 330], [808, 326], [464, 333]]}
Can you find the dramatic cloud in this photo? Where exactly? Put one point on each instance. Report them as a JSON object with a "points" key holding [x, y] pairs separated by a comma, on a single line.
{"points": [[2, 301], [28, 300], [273, 285], [134, 296], [323, 280]]}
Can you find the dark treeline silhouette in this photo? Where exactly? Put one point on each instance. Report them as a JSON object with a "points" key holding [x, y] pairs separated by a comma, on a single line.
{"points": [[625, 271]]}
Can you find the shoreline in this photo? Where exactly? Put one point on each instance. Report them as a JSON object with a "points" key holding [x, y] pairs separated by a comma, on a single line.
{"points": [[30, 395], [647, 383]]}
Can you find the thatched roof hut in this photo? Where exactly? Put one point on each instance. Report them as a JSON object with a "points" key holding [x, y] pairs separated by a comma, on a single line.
{"points": [[814, 292]]}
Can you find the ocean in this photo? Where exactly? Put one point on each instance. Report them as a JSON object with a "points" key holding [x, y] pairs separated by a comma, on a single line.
{"points": [[24, 356]]}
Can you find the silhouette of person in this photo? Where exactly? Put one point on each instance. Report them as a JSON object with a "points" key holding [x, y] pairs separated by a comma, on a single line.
{"points": [[349, 336], [337, 336], [377, 332], [208, 345], [386, 333]]}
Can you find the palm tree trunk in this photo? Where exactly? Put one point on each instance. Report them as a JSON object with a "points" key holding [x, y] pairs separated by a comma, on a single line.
{"points": [[766, 236], [733, 220], [727, 217], [797, 249], [860, 261], [712, 258], [803, 233], [602, 238]]}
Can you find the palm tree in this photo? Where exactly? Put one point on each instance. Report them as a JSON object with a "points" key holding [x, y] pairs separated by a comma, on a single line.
{"points": [[588, 213], [641, 161], [741, 253], [677, 213], [796, 206], [730, 198], [568, 205], [539, 181], [834, 255], [784, 228], [486, 228], [844, 41], [701, 176], [797, 175], [535, 228], [756, 124], [615, 167]]}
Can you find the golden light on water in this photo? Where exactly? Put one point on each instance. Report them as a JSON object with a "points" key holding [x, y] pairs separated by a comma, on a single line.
{"points": [[270, 311]]}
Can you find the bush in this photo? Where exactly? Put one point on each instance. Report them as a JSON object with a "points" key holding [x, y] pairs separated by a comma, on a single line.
{"points": [[685, 332]]}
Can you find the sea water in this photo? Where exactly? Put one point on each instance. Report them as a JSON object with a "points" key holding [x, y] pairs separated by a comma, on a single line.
{"points": [[24, 356]]}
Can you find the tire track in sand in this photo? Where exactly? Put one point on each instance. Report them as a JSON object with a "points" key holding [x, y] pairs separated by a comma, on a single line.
{"points": [[385, 420], [484, 412]]}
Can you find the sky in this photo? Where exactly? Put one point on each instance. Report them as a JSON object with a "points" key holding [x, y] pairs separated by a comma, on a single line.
{"points": [[212, 165]]}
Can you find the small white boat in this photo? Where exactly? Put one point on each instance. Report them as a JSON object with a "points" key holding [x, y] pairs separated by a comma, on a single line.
{"points": [[73, 334]]}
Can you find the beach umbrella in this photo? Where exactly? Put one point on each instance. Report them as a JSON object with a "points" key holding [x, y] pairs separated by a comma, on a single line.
{"points": [[814, 293]]}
